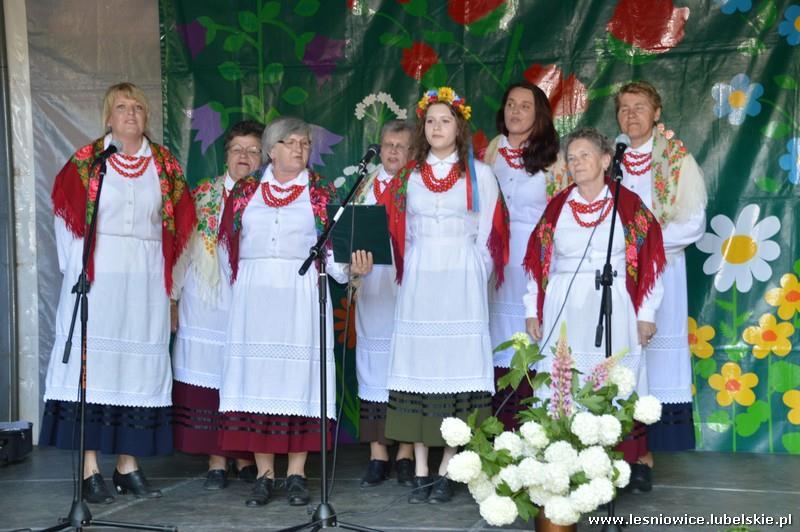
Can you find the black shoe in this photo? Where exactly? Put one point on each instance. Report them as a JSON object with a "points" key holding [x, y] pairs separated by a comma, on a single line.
{"points": [[261, 492], [297, 490], [248, 473], [377, 472], [641, 478], [95, 490], [136, 483], [442, 490], [421, 490], [216, 479], [405, 472]]}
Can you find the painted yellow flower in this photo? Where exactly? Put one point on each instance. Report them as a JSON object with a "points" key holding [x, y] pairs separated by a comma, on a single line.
{"points": [[786, 298], [731, 385], [698, 339], [769, 335], [792, 400]]}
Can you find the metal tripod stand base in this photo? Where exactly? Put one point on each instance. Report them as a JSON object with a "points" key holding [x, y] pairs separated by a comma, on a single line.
{"points": [[325, 517], [80, 517]]}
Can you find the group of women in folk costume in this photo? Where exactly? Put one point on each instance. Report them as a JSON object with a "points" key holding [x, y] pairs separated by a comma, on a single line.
{"points": [[466, 235]]}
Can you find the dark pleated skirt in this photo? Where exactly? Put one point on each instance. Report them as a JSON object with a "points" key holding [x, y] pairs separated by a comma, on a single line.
{"points": [[506, 410], [674, 431], [260, 433], [372, 423], [634, 446], [417, 417], [196, 421], [134, 430]]}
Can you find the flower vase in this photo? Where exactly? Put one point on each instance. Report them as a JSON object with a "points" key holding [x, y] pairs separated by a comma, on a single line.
{"points": [[543, 524]]}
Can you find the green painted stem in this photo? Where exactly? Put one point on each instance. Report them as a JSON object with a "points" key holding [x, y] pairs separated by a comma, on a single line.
{"points": [[469, 53], [733, 424], [780, 110], [395, 21], [261, 82], [231, 29], [769, 398], [696, 407]]}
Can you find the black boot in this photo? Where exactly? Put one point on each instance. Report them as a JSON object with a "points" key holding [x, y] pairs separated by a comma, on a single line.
{"points": [[216, 479], [297, 490], [442, 490], [136, 483], [405, 472], [95, 490], [641, 478], [377, 472], [421, 491], [261, 492]]}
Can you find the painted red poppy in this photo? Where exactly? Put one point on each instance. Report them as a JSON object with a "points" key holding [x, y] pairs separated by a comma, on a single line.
{"points": [[568, 97], [468, 11], [418, 59], [652, 26]]}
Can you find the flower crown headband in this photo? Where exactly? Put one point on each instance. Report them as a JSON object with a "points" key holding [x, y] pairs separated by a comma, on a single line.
{"points": [[444, 95]]}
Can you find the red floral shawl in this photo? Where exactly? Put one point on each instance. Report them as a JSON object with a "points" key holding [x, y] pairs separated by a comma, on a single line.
{"points": [[231, 226], [75, 193], [644, 247], [394, 198]]}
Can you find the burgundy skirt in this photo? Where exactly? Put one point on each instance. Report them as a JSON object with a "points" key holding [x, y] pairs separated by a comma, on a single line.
{"points": [[196, 421], [506, 410], [269, 434], [635, 445]]}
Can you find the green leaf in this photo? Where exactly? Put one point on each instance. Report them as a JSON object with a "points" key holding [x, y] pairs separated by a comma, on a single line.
{"points": [[727, 331], [602, 92], [249, 21], [705, 367], [436, 76], [307, 8], [416, 8], [776, 130], [269, 11], [472, 419], [492, 102], [748, 423], [785, 82], [784, 376], [211, 28], [742, 318], [395, 39], [791, 442], [217, 106], [301, 42], [724, 305], [230, 71], [512, 378], [488, 24], [439, 36], [273, 73], [767, 184], [251, 105], [796, 267], [233, 42], [751, 46], [626, 52], [767, 14], [271, 115], [492, 425], [719, 421], [502, 347], [735, 353]]}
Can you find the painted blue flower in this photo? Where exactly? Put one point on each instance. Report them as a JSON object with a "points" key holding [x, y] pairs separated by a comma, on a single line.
{"points": [[790, 27], [738, 99], [790, 161], [729, 7]]}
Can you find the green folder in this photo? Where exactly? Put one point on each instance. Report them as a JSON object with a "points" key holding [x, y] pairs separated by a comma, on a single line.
{"points": [[369, 230]]}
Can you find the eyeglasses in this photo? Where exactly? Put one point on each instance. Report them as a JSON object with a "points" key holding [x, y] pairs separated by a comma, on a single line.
{"points": [[292, 144], [252, 151], [394, 147]]}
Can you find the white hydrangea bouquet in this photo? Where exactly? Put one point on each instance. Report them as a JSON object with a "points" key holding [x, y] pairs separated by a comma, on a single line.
{"points": [[561, 459]]}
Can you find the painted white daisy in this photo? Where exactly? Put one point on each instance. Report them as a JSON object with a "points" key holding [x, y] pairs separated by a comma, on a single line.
{"points": [[740, 251]]}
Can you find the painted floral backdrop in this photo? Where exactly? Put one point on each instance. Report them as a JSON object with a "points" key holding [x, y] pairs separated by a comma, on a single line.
{"points": [[728, 71]]}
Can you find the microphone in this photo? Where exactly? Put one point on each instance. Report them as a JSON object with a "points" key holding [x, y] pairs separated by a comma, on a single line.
{"points": [[372, 151], [113, 147], [622, 141]]}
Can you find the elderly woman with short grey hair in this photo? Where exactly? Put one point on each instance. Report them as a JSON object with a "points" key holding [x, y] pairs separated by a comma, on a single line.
{"points": [[269, 393], [569, 245]]}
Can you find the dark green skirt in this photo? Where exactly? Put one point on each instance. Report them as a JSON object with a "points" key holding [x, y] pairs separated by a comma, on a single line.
{"points": [[417, 417]]}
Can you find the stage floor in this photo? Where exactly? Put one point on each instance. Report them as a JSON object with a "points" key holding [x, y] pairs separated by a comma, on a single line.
{"points": [[37, 491]]}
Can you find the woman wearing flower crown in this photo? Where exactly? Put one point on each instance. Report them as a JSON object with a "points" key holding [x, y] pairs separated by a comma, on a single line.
{"points": [[659, 169], [145, 217], [204, 302], [269, 389], [449, 232], [524, 157], [567, 247]]}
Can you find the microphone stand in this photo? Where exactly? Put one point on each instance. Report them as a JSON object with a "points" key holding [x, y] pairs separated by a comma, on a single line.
{"points": [[79, 516], [603, 281], [324, 515]]}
